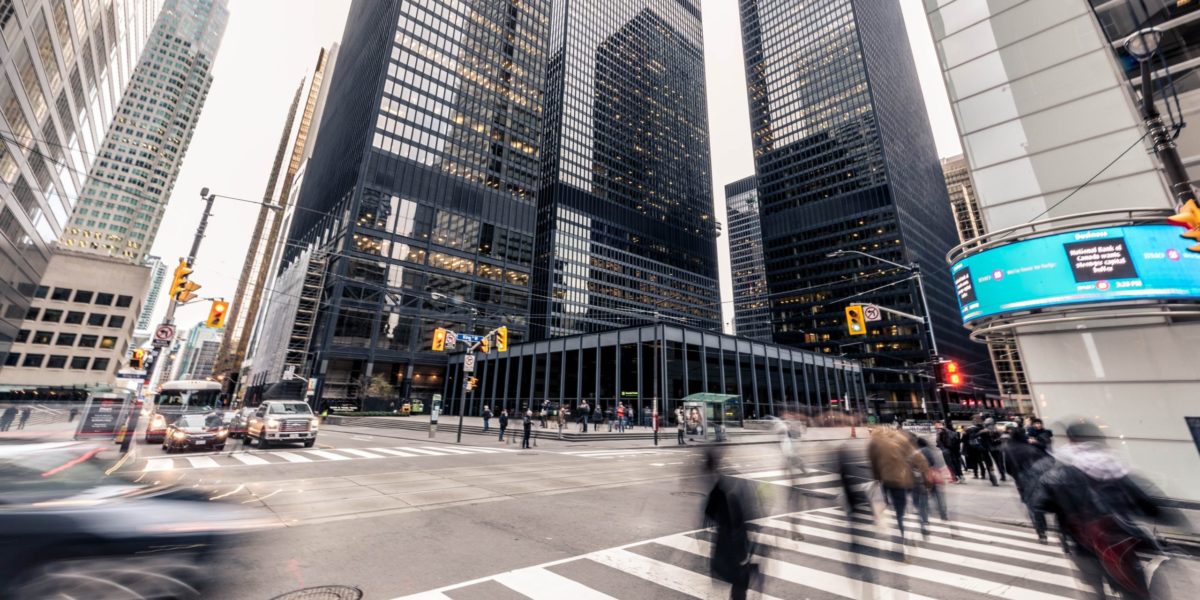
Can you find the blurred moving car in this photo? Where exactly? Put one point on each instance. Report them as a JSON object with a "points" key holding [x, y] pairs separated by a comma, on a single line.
{"points": [[70, 530], [288, 421], [237, 425], [181, 397], [196, 431]]}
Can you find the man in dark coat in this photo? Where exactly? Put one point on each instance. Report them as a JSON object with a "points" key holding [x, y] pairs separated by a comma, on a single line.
{"points": [[978, 446], [1027, 464]]}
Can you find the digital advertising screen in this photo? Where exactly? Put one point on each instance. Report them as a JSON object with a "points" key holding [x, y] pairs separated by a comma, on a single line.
{"points": [[1111, 264]]}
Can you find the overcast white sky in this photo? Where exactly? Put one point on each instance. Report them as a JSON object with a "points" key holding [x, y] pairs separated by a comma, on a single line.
{"points": [[270, 45]]}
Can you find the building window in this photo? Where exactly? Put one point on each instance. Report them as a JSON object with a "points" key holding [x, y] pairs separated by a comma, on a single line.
{"points": [[88, 341], [23, 336], [42, 292], [74, 317], [108, 342], [32, 313], [61, 294], [12, 360], [33, 360], [79, 362], [43, 337], [52, 315], [65, 339], [57, 361], [104, 299], [97, 319], [116, 321], [124, 301], [99, 364], [84, 296]]}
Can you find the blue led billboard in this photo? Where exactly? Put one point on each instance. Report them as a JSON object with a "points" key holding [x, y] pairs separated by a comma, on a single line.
{"points": [[1112, 264]]}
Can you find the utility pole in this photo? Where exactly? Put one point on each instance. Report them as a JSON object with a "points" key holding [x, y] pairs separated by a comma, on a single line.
{"points": [[169, 319]]}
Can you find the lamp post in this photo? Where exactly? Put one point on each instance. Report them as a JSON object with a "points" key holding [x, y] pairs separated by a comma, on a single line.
{"points": [[1142, 45], [471, 328], [915, 269]]}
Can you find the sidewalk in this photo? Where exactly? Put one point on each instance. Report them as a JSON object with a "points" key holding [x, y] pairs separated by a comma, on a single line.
{"points": [[417, 427]]}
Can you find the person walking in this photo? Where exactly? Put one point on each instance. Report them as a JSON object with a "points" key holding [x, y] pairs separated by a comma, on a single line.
{"points": [[728, 509], [25, 412], [1026, 463], [935, 483], [978, 457], [679, 426], [896, 464], [527, 426], [503, 422], [487, 417], [995, 447], [6, 420], [621, 417], [949, 444], [545, 412], [1040, 436], [584, 416]]}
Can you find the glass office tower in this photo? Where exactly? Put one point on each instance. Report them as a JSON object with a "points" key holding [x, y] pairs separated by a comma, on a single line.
{"points": [[626, 230], [845, 161], [419, 199], [751, 303]]}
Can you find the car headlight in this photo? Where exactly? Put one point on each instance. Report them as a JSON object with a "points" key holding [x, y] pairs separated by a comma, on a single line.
{"points": [[179, 435], [314, 422], [272, 423], [222, 433], [158, 421]]}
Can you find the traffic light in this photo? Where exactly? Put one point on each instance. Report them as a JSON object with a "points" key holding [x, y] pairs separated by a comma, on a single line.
{"points": [[181, 288], [502, 339], [1189, 216], [217, 314], [472, 382], [439, 339], [138, 360], [951, 376], [486, 343], [856, 323]]}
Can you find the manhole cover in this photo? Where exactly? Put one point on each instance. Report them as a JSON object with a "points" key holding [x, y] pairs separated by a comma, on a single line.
{"points": [[688, 494], [324, 592]]}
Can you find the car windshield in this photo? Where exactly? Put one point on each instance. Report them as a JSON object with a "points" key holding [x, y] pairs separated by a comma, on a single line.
{"points": [[291, 408], [209, 420], [188, 400]]}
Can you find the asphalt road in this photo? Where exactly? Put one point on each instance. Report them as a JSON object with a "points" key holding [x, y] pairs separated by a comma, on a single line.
{"points": [[396, 514]]}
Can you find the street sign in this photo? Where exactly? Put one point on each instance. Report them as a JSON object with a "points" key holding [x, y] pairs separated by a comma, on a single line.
{"points": [[469, 363], [289, 373], [164, 332], [871, 312], [451, 340], [465, 337], [157, 343], [131, 375]]}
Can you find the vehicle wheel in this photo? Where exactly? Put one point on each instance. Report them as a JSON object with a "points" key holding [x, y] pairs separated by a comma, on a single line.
{"points": [[110, 579], [263, 444], [309, 443], [220, 448]]}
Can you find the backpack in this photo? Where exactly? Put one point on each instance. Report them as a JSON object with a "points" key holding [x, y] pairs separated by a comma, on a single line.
{"points": [[974, 439]]}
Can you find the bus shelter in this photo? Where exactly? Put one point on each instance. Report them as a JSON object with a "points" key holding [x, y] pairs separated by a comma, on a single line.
{"points": [[706, 414]]}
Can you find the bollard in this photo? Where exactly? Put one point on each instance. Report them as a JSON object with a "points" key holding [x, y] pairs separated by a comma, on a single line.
{"points": [[535, 439], [853, 433]]}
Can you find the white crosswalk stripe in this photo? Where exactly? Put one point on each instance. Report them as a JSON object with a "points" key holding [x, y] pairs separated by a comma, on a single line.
{"points": [[262, 458], [838, 555], [820, 483], [611, 453]]}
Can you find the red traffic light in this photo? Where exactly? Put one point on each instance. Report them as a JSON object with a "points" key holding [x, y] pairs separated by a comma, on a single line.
{"points": [[950, 374]]}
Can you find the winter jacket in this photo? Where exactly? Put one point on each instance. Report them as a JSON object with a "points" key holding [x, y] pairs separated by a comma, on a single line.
{"points": [[894, 459]]}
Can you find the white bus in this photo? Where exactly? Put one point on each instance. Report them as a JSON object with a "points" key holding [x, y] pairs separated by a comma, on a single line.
{"points": [[174, 398]]}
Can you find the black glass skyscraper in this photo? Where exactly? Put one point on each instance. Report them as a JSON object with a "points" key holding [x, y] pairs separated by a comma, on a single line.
{"points": [[420, 196], [845, 161], [625, 214]]}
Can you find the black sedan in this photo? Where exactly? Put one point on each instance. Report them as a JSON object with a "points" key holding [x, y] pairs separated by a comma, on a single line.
{"points": [[199, 431], [70, 529]]}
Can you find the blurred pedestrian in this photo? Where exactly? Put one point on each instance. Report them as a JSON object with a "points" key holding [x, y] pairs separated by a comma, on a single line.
{"points": [[793, 466], [527, 426], [584, 416], [25, 412], [503, 422], [545, 413], [1041, 437], [6, 419], [896, 465], [978, 445], [487, 417], [679, 426], [935, 482], [621, 417], [74, 412], [728, 508], [1026, 463], [995, 447], [1095, 502], [949, 444]]}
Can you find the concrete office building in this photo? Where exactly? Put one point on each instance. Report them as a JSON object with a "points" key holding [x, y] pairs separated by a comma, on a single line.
{"points": [[419, 201], [626, 228], [1051, 130], [968, 218], [247, 299], [127, 189], [751, 301], [73, 335], [64, 66], [845, 160]]}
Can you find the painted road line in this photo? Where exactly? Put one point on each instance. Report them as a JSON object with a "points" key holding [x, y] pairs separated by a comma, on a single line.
{"points": [[539, 584], [202, 462], [393, 452], [288, 456], [326, 455], [159, 464], [249, 459], [362, 453]]}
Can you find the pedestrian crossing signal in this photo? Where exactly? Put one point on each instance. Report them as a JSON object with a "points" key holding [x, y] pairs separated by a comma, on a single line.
{"points": [[856, 322], [138, 360], [439, 339], [472, 382]]}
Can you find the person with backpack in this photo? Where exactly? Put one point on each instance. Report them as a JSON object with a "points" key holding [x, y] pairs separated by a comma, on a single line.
{"points": [[487, 417], [503, 422], [898, 467], [978, 450]]}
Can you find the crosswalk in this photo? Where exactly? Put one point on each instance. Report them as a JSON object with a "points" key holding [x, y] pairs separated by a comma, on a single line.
{"points": [[813, 554], [814, 482], [243, 458], [618, 453]]}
